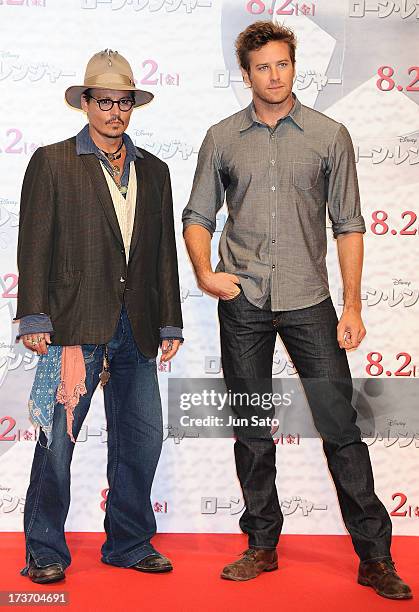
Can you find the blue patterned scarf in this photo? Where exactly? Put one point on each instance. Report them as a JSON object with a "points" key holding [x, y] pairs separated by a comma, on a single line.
{"points": [[44, 389]]}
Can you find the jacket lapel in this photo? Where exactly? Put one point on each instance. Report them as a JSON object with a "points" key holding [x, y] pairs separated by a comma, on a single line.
{"points": [[92, 165], [140, 204]]}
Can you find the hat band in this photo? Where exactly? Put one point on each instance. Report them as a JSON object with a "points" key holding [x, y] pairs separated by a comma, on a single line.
{"points": [[106, 78]]}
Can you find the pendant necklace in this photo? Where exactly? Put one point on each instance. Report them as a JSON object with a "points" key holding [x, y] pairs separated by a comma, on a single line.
{"points": [[116, 171]]}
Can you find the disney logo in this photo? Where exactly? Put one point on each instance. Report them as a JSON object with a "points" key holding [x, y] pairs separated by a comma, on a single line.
{"points": [[407, 139], [5, 202], [392, 422], [399, 281], [142, 133], [8, 54]]}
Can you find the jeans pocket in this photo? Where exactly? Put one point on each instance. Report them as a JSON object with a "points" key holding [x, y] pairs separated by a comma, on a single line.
{"points": [[233, 299], [142, 359], [88, 351]]}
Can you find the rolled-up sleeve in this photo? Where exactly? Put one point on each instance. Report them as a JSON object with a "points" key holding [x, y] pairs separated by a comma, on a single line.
{"points": [[343, 191], [34, 324], [171, 333], [208, 189]]}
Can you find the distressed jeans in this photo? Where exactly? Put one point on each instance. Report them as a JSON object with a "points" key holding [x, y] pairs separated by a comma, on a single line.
{"points": [[248, 337], [135, 433]]}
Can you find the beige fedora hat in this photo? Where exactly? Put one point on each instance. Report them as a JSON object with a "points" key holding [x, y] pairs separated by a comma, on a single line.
{"points": [[107, 70]]}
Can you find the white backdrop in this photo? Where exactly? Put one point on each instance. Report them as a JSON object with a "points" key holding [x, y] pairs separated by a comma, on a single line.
{"points": [[182, 51]]}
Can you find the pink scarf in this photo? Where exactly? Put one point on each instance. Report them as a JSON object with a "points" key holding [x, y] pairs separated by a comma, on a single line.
{"points": [[72, 385]]}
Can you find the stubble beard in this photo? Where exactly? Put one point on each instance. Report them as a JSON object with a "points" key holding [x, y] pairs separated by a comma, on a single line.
{"points": [[114, 133], [117, 129], [275, 99]]}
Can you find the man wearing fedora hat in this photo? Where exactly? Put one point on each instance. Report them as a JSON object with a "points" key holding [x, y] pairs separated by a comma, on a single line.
{"points": [[98, 294]]}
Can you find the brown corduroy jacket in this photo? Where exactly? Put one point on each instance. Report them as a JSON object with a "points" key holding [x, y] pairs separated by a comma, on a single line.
{"points": [[71, 256]]}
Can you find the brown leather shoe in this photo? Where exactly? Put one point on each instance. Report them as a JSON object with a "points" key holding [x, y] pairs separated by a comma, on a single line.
{"points": [[253, 562], [47, 574], [382, 577], [154, 564]]}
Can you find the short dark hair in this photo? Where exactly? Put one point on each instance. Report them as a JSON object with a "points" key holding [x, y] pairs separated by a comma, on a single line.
{"points": [[257, 35]]}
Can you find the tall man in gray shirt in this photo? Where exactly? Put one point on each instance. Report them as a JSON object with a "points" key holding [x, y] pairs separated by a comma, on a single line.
{"points": [[278, 163]]}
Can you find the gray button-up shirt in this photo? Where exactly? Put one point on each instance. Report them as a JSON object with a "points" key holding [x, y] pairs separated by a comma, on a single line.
{"points": [[276, 182]]}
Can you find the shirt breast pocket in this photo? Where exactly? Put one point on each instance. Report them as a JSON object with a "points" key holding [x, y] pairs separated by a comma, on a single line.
{"points": [[305, 174]]}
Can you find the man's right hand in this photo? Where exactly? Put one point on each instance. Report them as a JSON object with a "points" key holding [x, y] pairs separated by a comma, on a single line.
{"points": [[37, 342], [220, 284]]}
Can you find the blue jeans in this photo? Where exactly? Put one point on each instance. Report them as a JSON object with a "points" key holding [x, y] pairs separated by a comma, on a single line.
{"points": [[248, 337], [135, 434]]}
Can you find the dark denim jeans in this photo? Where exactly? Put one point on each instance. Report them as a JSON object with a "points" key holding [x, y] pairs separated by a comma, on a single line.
{"points": [[135, 433], [248, 337]]}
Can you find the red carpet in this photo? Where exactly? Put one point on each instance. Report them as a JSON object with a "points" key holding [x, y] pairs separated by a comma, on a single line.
{"points": [[316, 573]]}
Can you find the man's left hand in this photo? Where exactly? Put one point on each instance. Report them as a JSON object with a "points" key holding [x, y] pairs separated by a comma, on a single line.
{"points": [[169, 348], [350, 330]]}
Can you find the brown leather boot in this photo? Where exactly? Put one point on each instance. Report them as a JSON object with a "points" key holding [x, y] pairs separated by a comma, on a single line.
{"points": [[47, 574], [382, 577], [253, 562]]}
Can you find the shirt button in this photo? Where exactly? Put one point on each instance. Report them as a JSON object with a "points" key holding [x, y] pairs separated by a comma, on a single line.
{"points": [[272, 136], [273, 162], [273, 215], [273, 188], [273, 241], [122, 279], [273, 266]]}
